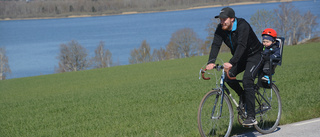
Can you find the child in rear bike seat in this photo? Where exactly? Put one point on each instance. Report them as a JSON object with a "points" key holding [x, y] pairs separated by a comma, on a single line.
{"points": [[271, 51]]}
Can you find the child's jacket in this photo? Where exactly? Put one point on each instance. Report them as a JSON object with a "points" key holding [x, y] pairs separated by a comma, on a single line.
{"points": [[272, 52]]}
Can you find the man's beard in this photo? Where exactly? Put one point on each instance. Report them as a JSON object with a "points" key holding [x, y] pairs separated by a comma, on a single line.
{"points": [[226, 27]]}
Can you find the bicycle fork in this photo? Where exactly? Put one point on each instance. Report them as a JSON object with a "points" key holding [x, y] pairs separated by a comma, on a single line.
{"points": [[214, 108], [221, 93]]}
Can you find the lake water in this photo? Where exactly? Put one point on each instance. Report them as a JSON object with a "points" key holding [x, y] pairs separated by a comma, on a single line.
{"points": [[33, 45]]}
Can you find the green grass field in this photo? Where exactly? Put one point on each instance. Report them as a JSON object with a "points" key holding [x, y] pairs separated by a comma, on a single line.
{"points": [[150, 99]]}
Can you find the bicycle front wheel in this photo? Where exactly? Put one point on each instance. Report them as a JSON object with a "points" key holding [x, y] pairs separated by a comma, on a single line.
{"points": [[215, 118], [268, 109]]}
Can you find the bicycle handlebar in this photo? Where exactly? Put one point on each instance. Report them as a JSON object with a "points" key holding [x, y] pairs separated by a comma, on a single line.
{"points": [[232, 78], [202, 74], [217, 68]]}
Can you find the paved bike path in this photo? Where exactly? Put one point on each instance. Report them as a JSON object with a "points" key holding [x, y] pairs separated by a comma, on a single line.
{"points": [[307, 128]]}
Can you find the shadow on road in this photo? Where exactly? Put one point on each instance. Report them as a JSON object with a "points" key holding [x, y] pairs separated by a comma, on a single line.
{"points": [[240, 131]]}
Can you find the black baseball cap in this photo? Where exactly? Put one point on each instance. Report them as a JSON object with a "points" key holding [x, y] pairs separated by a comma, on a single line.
{"points": [[226, 12]]}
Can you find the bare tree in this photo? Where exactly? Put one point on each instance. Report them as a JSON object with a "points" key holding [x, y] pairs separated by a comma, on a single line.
{"points": [[72, 57], [141, 55], [309, 26], [173, 51], [262, 19], [211, 28], [102, 58], [4, 64], [202, 48], [292, 25], [159, 55], [185, 42], [283, 23], [296, 27]]}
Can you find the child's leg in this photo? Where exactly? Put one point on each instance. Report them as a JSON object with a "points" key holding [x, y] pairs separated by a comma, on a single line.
{"points": [[266, 75], [266, 68]]}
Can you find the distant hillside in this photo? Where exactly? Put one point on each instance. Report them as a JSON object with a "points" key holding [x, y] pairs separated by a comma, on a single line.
{"points": [[316, 39], [77, 8]]}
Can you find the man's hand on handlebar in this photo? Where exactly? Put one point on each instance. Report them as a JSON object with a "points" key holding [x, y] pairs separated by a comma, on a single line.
{"points": [[210, 66], [227, 66]]}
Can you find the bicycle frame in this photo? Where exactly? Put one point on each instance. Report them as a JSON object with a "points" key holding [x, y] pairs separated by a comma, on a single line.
{"points": [[267, 115], [225, 91], [260, 95]]}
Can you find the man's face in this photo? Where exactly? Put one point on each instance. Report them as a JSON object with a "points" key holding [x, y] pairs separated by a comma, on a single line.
{"points": [[226, 23]]}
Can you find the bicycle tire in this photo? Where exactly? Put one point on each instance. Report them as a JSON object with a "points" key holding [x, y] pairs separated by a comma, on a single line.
{"points": [[268, 117], [209, 126]]}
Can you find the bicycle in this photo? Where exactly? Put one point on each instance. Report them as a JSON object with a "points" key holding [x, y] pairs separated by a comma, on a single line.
{"points": [[215, 119]]}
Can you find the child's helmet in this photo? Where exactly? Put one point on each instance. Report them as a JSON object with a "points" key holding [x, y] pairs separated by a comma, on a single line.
{"points": [[269, 31]]}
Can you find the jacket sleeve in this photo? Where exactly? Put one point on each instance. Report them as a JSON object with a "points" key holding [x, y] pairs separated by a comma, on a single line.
{"points": [[243, 35], [215, 46], [276, 53]]}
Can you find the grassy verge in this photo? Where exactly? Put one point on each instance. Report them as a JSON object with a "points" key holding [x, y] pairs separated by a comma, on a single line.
{"points": [[151, 99]]}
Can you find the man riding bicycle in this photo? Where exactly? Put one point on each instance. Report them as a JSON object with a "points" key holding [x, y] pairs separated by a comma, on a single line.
{"points": [[245, 47]]}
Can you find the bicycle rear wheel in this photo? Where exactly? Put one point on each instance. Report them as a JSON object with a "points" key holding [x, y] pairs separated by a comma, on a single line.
{"points": [[268, 109], [212, 122]]}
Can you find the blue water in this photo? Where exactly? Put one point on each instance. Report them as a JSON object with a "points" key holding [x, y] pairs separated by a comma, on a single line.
{"points": [[33, 45]]}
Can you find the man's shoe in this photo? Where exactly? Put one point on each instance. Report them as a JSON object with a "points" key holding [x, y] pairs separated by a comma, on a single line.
{"points": [[250, 122]]}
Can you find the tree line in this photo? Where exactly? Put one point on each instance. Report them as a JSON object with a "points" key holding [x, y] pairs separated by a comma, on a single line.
{"points": [[183, 43], [74, 57], [286, 20], [65, 8]]}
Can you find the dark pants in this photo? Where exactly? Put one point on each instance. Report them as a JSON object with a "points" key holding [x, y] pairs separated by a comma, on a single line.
{"points": [[248, 65]]}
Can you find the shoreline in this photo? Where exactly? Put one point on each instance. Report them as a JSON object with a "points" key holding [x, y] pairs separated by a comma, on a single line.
{"points": [[136, 12]]}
